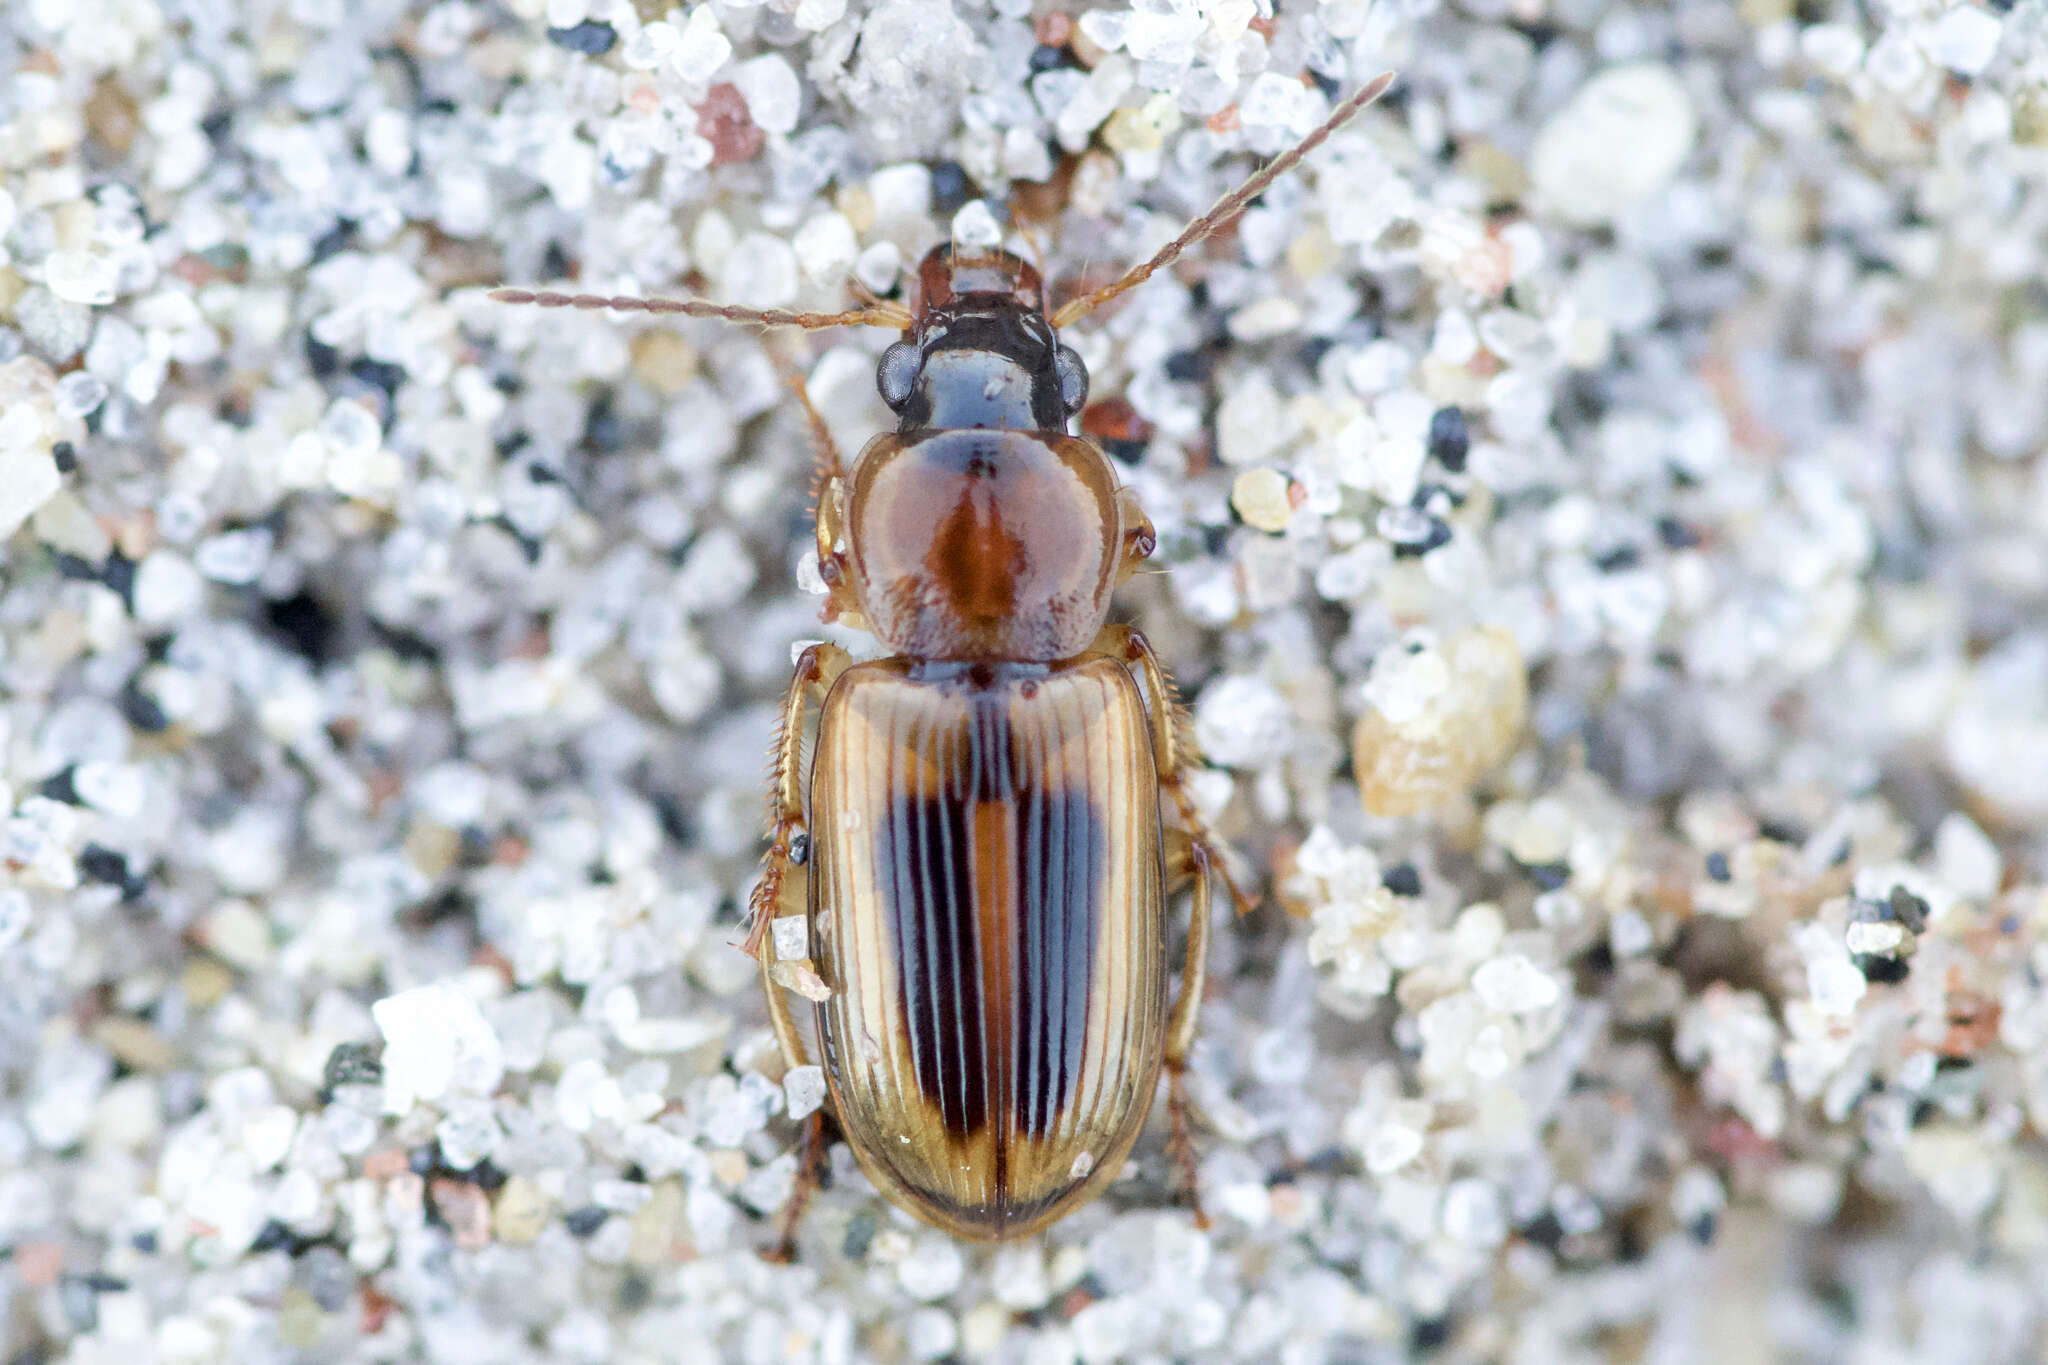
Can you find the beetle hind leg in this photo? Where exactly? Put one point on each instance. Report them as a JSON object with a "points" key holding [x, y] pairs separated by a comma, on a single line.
{"points": [[811, 1167], [1180, 1028], [813, 1148], [1193, 854]]}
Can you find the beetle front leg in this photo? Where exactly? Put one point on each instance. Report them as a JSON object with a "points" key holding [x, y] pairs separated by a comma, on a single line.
{"points": [[1139, 539], [1169, 749]]}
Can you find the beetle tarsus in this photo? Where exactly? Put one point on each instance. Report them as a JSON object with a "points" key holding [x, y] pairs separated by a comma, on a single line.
{"points": [[1180, 1140], [810, 1178]]}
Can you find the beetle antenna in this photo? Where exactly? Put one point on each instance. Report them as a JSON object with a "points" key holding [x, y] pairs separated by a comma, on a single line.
{"points": [[856, 287], [1030, 236], [881, 314], [1229, 206]]}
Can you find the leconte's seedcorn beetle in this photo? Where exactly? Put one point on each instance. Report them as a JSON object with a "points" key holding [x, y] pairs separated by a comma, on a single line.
{"points": [[976, 863]]}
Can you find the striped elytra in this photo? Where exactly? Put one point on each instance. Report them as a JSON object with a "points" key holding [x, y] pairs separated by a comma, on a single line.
{"points": [[986, 908]]}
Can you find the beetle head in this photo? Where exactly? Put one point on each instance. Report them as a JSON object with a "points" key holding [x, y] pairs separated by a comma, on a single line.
{"points": [[979, 351]]}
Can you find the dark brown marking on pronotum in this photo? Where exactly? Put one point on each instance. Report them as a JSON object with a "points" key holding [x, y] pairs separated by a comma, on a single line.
{"points": [[982, 812], [983, 544], [973, 551]]}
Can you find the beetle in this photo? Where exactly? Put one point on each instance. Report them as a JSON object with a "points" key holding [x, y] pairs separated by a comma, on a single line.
{"points": [[975, 863]]}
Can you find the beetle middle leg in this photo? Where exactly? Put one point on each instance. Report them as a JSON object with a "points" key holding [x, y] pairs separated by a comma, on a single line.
{"points": [[1168, 750], [817, 668], [1193, 858]]}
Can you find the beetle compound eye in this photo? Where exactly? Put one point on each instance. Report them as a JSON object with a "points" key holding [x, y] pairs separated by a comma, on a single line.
{"points": [[1073, 379], [897, 372]]}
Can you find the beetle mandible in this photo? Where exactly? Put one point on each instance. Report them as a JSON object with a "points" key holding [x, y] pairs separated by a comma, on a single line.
{"points": [[978, 857]]}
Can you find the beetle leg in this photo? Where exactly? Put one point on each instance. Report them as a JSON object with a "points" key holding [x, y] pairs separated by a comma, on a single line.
{"points": [[1139, 539], [1170, 751], [817, 668], [828, 477], [1178, 852], [810, 1178], [1180, 1028], [824, 450], [1197, 856]]}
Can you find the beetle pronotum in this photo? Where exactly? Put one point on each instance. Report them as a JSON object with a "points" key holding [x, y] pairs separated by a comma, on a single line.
{"points": [[978, 855]]}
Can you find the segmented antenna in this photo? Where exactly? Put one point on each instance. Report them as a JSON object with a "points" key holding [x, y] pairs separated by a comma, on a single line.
{"points": [[1229, 206], [881, 313]]}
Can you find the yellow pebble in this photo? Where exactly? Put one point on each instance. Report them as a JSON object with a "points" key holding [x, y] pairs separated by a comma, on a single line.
{"points": [[1129, 131], [857, 205], [1313, 254], [982, 1329], [1162, 111], [1449, 729], [659, 1231], [299, 1319], [663, 360], [1260, 497], [521, 1211], [63, 524], [432, 848], [1505, 178], [205, 981], [2030, 117], [134, 1044]]}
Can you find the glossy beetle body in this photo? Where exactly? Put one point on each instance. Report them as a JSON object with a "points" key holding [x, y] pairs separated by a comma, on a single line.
{"points": [[975, 861], [986, 860]]}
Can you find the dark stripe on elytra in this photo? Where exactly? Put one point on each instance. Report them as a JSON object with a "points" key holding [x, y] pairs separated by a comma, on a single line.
{"points": [[1062, 871], [924, 848]]}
